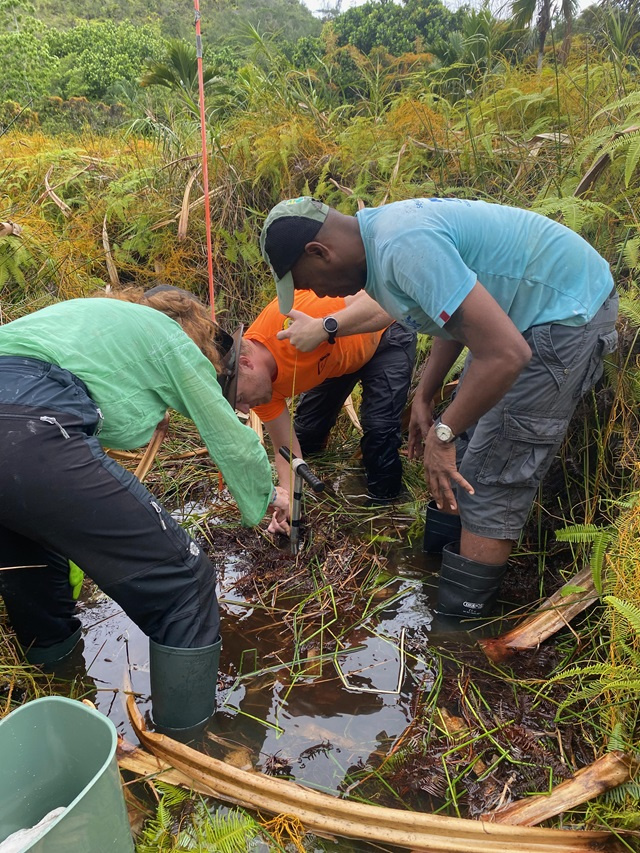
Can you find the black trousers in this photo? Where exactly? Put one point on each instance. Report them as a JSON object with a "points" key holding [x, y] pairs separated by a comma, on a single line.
{"points": [[385, 382], [62, 497]]}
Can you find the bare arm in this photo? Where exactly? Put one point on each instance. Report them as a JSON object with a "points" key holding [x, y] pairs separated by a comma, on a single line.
{"points": [[361, 314], [441, 359], [499, 354], [282, 434]]}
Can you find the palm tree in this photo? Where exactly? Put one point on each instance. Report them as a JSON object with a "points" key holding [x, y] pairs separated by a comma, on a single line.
{"points": [[523, 12], [178, 72]]}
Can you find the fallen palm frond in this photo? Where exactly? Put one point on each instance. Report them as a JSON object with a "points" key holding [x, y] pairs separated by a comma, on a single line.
{"points": [[609, 771], [353, 417], [553, 614], [7, 228], [328, 815], [63, 206], [592, 175], [152, 448], [183, 222]]}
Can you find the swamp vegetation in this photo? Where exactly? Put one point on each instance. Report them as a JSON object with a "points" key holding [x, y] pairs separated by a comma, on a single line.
{"points": [[89, 210]]}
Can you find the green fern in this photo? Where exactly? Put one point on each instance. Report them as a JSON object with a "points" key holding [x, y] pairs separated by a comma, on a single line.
{"points": [[619, 796], [631, 252], [618, 739], [631, 612], [574, 212], [619, 681], [598, 537], [630, 308], [183, 822]]}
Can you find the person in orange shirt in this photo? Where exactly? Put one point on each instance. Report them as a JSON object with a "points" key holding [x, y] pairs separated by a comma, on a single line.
{"points": [[271, 370]]}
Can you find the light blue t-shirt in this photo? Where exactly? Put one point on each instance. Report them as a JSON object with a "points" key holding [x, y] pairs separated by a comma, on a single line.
{"points": [[425, 255]]}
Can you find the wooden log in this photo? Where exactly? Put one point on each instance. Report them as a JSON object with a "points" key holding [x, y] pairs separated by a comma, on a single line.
{"points": [[554, 613], [324, 814], [613, 769]]}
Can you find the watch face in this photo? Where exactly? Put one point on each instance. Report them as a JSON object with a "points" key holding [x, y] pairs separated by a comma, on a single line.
{"points": [[444, 433], [330, 325]]}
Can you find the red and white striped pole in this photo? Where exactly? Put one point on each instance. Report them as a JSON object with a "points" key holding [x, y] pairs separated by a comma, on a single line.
{"points": [[205, 167]]}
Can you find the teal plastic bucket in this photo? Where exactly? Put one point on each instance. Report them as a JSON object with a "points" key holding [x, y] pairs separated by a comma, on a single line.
{"points": [[57, 752]]}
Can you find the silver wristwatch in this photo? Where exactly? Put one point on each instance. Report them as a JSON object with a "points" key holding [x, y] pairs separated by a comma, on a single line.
{"points": [[443, 432]]}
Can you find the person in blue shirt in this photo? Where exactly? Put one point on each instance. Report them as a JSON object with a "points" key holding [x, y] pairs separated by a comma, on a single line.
{"points": [[534, 304]]}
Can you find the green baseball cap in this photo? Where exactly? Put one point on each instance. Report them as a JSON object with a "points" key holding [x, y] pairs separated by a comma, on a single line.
{"points": [[290, 225]]}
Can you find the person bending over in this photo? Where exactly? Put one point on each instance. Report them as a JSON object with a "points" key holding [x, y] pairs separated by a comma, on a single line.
{"points": [[271, 370], [94, 372], [534, 304]]}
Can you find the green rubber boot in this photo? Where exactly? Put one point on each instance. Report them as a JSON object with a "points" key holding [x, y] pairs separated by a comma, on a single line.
{"points": [[466, 588], [183, 685], [53, 654]]}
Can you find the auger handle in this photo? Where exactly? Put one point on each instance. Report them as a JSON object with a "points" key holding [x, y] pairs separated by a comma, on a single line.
{"points": [[301, 468]]}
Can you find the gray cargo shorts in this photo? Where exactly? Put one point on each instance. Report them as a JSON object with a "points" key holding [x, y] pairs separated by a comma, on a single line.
{"points": [[508, 452]]}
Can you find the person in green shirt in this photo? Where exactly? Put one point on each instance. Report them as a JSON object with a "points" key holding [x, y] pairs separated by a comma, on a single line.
{"points": [[82, 375]]}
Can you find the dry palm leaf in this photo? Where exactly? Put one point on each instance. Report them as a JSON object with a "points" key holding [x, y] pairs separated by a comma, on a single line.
{"points": [[66, 210], [613, 769], [554, 613], [8, 229], [327, 815], [183, 222]]}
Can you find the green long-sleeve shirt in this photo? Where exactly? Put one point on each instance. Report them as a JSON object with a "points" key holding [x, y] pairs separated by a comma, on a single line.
{"points": [[136, 363]]}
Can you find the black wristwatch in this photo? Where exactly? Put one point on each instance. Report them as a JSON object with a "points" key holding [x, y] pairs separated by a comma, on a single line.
{"points": [[330, 325]]}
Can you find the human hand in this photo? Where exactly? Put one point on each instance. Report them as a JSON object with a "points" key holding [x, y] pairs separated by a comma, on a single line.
{"points": [[419, 425], [440, 471], [279, 519], [279, 522], [304, 332]]}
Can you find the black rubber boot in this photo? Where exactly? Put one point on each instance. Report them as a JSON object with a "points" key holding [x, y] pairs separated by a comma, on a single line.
{"points": [[467, 588], [440, 528], [183, 685]]}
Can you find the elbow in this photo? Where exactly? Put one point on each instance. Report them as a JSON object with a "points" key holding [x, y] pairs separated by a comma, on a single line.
{"points": [[520, 356]]}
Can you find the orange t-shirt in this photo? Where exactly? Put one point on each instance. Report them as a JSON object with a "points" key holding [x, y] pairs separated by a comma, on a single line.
{"points": [[301, 371]]}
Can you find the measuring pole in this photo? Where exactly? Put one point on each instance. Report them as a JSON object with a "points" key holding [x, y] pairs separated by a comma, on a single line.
{"points": [[301, 472], [205, 167]]}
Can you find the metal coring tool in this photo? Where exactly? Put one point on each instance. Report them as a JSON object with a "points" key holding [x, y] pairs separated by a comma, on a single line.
{"points": [[301, 471]]}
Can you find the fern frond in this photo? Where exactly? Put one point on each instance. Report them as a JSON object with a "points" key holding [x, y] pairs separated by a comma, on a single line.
{"points": [[575, 212], [582, 533], [630, 308], [230, 833], [596, 560], [618, 796], [631, 253], [633, 156], [628, 105], [631, 612], [618, 739], [574, 671]]}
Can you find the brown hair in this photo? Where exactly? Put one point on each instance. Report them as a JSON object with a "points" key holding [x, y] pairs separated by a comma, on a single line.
{"points": [[183, 307]]}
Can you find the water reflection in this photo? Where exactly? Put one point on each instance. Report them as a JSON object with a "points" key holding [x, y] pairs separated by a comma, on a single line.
{"points": [[304, 711]]}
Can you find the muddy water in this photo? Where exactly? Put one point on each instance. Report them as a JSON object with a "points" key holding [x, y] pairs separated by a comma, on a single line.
{"points": [[316, 719]]}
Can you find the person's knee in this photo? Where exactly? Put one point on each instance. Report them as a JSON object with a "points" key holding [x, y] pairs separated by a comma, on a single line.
{"points": [[174, 603], [311, 441]]}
